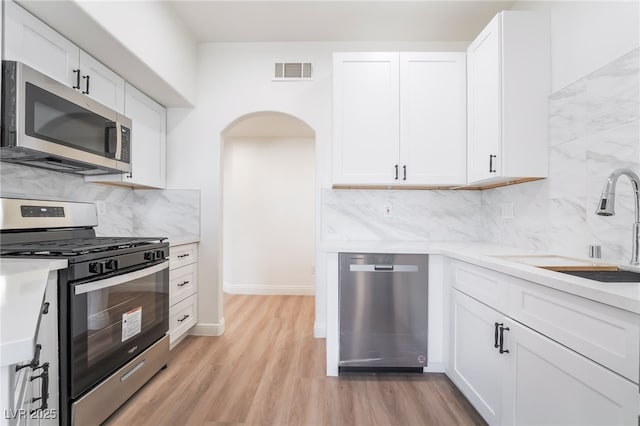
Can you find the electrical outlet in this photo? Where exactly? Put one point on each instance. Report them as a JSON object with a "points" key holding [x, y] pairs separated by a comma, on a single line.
{"points": [[101, 207], [506, 210], [388, 211]]}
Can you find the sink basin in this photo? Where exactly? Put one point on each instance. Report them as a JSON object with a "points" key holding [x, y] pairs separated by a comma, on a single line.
{"points": [[618, 276]]}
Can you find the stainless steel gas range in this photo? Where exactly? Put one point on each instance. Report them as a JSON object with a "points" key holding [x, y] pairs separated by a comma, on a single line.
{"points": [[113, 303]]}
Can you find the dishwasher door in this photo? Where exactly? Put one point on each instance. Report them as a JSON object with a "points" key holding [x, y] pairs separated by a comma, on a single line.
{"points": [[383, 311]]}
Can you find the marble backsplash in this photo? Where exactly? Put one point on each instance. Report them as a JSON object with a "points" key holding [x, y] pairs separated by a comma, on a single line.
{"points": [[170, 213], [594, 128], [358, 215]]}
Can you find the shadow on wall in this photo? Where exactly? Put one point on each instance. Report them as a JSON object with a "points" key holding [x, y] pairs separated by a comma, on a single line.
{"points": [[268, 202]]}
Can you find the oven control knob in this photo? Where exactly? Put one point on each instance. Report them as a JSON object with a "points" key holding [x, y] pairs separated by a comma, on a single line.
{"points": [[111, 264], [96, 267], [160, 254], [149, 256]]}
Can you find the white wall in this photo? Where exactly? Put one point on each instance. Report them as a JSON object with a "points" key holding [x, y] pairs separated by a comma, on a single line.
{"points": [[269, 211], [234, 79], [586, 35]]}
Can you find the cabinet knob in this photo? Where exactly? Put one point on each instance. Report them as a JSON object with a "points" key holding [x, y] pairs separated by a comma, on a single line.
{"points": [[86, 77], [77, 85], [502, 330]]}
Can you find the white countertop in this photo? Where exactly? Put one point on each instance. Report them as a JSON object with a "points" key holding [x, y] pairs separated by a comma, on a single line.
{"points": [[184, 240], [621, 295], [22, 287]]}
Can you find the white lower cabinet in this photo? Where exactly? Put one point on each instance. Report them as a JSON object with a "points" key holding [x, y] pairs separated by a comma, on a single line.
{"points": [[548, 384], [183, 290], [513, 374], [475, 364]]}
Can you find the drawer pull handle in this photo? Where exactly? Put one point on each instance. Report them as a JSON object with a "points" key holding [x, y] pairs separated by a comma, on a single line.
{"points": [[183, 318], [502, 350], [183, 283], [491, 169], [497, 325], [181, 256]]}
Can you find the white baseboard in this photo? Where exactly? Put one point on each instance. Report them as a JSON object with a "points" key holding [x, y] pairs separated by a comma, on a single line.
{"points": [[434, 367], [290, 290], [201, 329], [320, 330]]}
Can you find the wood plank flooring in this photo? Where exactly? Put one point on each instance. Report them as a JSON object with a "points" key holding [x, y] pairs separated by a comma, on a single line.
{"points": [[267, 369]]}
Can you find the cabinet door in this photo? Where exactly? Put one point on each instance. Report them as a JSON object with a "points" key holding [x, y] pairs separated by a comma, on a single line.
{"points": [[100, 83], [433, 140], [29, 40], [475, 364], [148, 139], [548, 384], [365, 118], [484, 104]]}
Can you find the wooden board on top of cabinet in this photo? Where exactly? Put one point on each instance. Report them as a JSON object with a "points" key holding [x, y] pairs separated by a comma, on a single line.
{"points": [[508, 83], [148, 143]]}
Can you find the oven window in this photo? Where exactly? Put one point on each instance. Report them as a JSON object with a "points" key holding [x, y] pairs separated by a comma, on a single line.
{"points": [[114, 324], [55, 119]]}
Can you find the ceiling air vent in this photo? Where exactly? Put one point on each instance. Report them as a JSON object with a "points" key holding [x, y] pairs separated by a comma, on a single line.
{"points": [[292, 71]]}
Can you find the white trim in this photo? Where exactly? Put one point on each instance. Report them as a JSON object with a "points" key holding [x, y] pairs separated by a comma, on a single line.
{"points": [[208, 329], [294, 290], [320, 330], [434, 367]]}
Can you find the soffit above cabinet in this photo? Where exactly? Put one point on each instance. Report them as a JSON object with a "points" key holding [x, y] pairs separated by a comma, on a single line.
{"points": [[325, 21], [141, 54]]}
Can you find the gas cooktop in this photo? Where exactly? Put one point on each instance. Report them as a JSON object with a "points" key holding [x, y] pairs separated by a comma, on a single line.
{"points": [[76, 246]]}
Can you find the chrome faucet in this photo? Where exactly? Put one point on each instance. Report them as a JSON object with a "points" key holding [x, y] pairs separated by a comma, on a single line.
{"points": [[607, 201]]}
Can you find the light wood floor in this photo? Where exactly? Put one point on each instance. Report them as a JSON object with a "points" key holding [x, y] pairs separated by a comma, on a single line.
{"points": [[267, 369]]}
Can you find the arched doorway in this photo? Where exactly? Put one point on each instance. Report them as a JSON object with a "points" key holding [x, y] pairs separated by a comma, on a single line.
{"points": [[268, 201]]}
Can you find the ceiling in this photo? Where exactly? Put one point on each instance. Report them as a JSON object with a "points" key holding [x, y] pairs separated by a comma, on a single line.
{"points": [[331, 21]]}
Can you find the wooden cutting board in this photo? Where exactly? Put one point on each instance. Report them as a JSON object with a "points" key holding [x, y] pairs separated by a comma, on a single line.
{"points": [[561, 263]]}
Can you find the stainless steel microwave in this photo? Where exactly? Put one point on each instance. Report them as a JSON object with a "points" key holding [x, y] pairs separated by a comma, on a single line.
{"points": [[49, 125]]}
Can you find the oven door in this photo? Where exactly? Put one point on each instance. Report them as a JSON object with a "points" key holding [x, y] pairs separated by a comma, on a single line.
{"points": [[112, 320]]}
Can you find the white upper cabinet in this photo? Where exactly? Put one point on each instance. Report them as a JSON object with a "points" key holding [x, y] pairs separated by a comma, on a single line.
{"points": [[100, 83], [149, 139], [433, 138], [399, 119], [366, 119], [508, 83], [148, 143], [31, 41]]}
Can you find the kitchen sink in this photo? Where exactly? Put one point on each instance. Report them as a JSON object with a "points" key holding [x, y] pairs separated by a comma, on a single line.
{"points": [[618, 276]]}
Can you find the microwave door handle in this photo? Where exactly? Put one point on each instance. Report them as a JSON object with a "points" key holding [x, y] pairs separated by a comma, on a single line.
{"points": [[120, 279], [111, 143], [118, 141]]}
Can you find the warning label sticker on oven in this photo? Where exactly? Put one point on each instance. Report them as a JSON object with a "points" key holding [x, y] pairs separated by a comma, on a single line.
{"points": [[131, 323]]}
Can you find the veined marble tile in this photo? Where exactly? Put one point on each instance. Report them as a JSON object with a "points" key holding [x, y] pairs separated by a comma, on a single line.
{"points": [[416, 215], [172, 213], [606, 98]]}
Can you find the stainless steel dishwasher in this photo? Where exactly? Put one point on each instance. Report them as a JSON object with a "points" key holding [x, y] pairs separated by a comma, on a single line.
{"points": [[383, 312]]}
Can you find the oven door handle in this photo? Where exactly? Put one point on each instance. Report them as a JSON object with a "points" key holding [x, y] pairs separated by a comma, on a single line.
{"points": [[120, 279]]}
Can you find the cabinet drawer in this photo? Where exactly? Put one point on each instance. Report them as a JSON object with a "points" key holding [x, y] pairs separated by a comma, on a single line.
{"points": [[183, 282], [182, 255], [482, 284], [182, 316], [607, 335]]}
